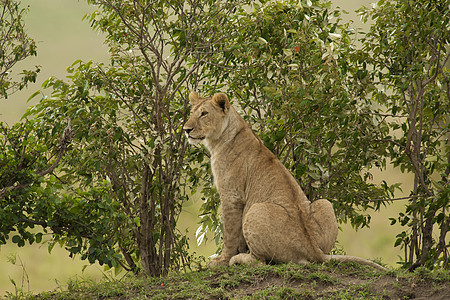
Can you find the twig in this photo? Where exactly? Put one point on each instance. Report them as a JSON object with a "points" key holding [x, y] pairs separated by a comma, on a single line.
{"points": [[384, 115], [65, 140], [394, 199]]}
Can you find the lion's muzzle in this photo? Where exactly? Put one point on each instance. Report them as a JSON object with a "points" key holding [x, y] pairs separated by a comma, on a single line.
{"points": [[191, 139]]}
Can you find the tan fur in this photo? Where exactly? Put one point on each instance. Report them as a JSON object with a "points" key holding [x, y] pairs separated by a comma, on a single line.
{"points": [[263, 206]]}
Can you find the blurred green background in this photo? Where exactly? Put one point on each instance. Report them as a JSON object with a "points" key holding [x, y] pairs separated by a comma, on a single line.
{"points": [[62, 37]]}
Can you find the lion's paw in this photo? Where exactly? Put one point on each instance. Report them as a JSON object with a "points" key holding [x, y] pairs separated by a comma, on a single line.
{"points": [[244, 259], [218, 261]]}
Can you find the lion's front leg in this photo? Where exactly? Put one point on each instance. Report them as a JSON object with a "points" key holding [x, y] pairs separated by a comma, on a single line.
{"points": [[232, 232]]}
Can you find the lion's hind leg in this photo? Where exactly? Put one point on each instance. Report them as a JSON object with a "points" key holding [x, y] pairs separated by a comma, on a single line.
{"points": [[324, 224], [274, 236]]}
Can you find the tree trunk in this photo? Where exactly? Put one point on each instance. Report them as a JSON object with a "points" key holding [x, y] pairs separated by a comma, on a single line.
{"points": [[146, 245]]}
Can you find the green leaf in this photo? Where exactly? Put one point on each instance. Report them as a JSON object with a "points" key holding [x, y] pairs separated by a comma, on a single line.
{"points": [[32, 96], [16, 239], [38, 237], [262, 40]]}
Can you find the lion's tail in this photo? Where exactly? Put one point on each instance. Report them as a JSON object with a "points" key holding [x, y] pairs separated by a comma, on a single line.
{"points": [[355, 259]]}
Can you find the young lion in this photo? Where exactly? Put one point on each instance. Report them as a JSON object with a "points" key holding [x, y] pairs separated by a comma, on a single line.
{"points": [[263, 206]]}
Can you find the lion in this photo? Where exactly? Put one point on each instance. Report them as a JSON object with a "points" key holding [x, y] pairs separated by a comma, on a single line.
{"points": [[264, 210]]}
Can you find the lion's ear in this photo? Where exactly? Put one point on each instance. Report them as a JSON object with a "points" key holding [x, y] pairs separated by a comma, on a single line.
{"points": [[222, 101], [194, 98]]}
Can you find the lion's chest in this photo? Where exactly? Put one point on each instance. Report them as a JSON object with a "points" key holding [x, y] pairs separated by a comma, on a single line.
{"points": [[229, 179]]}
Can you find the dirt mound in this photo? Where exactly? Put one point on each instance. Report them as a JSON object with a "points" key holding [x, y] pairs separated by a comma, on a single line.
{"points": [[315, 281], [334, 281]]}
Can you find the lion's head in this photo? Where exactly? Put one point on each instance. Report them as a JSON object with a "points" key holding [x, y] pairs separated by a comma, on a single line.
{"points": [[208, 117]]}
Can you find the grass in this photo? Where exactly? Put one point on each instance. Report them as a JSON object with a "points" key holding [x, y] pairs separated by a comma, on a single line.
{"points": [[331, 280]]}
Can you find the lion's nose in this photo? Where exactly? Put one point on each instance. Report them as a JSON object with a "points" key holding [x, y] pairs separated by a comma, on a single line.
{"points": [[188, 129]]}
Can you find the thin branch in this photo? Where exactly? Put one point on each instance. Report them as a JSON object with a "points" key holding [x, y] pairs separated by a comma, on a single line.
{"points": [[63, 143], [395, 199], [383, 115]]}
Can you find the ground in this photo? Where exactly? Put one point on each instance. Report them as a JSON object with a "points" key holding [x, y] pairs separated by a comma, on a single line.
{"points": [[332, 280]]}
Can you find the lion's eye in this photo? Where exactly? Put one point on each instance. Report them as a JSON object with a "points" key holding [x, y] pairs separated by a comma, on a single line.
{"points": [[204, 113]]}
